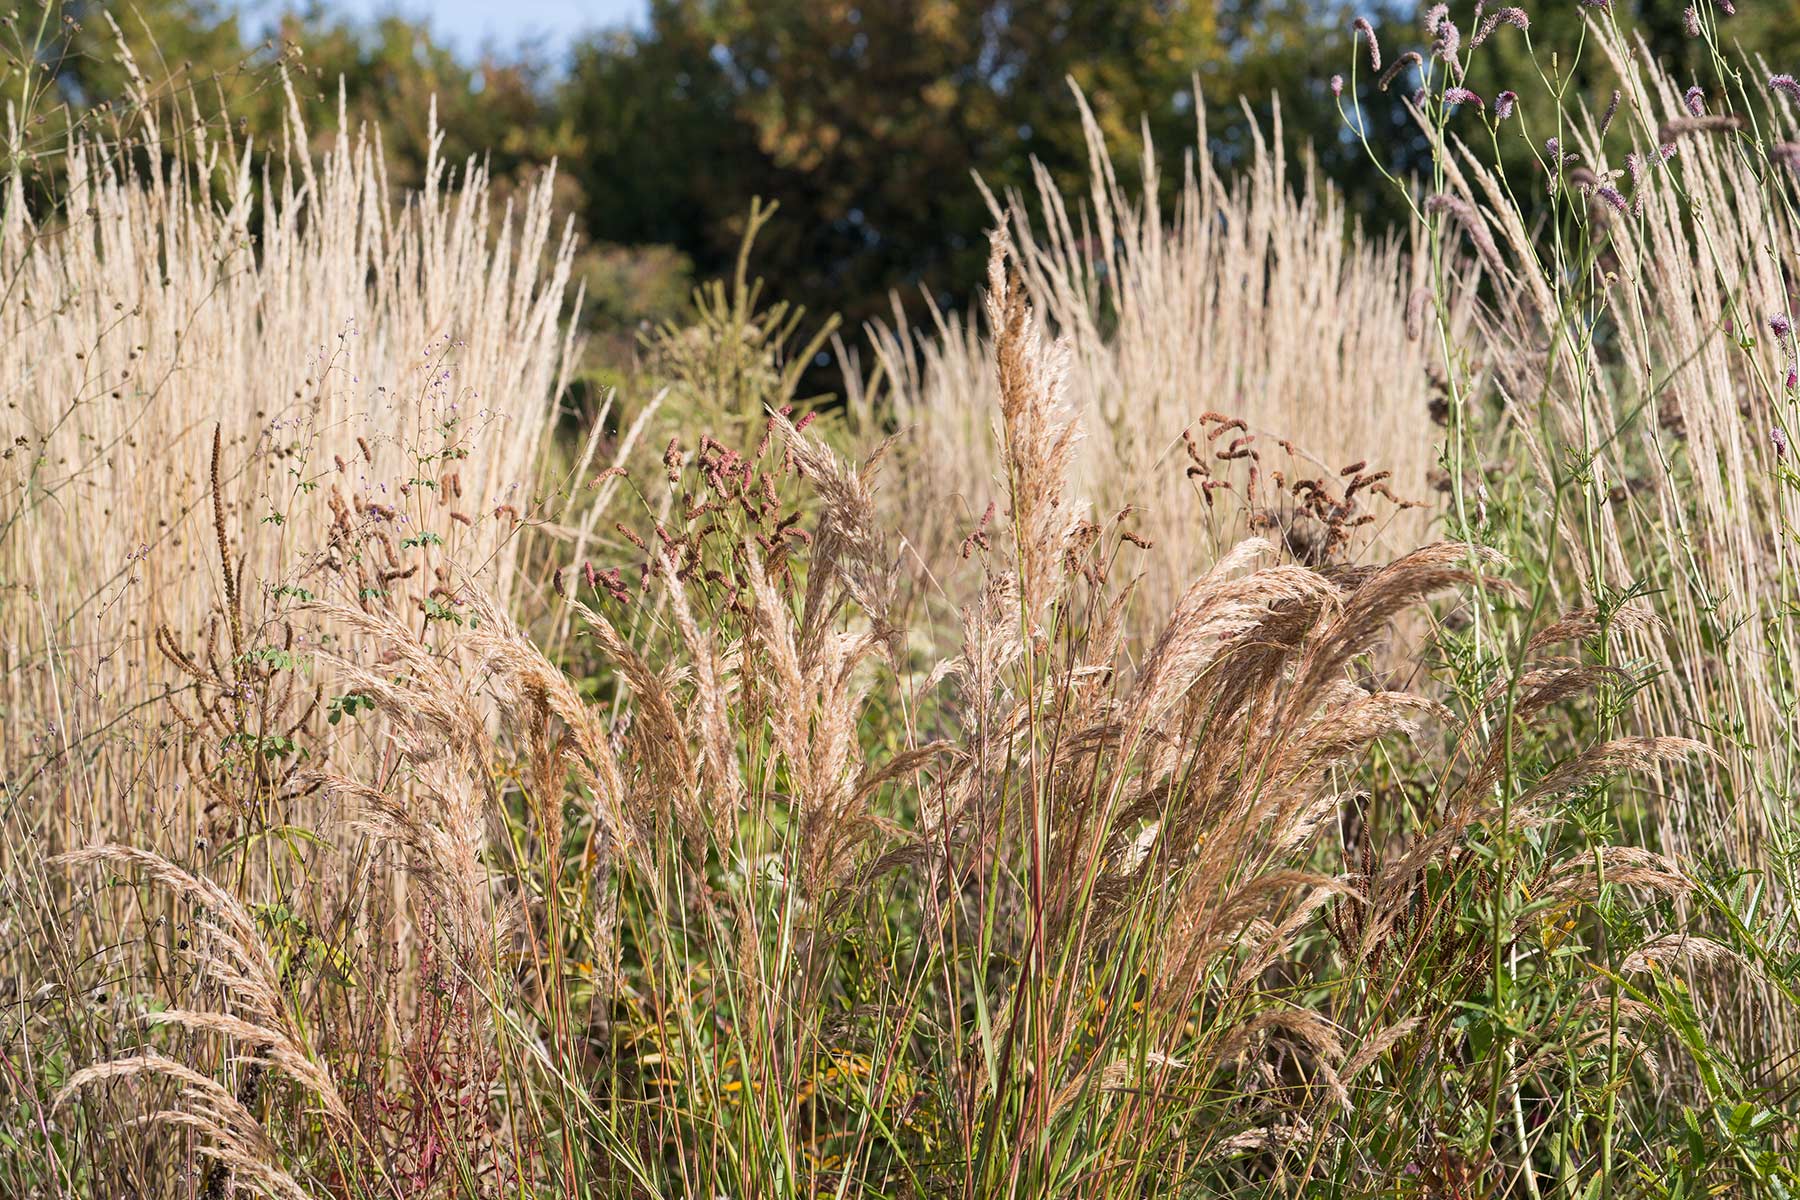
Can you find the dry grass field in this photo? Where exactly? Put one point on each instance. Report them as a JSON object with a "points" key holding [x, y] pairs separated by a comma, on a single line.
{"points": [[1259, 708]]}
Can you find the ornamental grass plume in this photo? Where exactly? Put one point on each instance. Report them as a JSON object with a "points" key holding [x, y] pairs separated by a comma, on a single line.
{"points": [[1148, 314], [769, 890], [1189, 811], [1717, 504]]}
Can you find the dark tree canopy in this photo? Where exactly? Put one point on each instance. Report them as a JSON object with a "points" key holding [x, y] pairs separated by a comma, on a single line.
{"points": [[866, 121]]}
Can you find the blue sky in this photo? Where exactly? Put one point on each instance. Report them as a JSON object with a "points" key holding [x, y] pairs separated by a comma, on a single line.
{"points": [[469, 24]]}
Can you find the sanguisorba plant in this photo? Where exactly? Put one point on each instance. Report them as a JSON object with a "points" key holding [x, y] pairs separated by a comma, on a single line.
{"points": [[1624, 406], [774, 904]]}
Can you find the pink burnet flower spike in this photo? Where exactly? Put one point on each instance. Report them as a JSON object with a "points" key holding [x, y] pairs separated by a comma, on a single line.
{"points": [[1361, 25]]}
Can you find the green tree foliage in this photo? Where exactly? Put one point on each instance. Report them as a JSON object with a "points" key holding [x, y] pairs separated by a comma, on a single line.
{"points": [[1765, 32], [390, 71], [866, 120], [198, 60]]}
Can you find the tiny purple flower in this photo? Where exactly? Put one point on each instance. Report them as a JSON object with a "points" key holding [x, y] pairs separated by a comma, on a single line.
{"points": [[1785, 84], [1337, 85], [1462, 95], [1690, 21], [1696, 100], [1780, 440], [1503, 104], [1779, 325], [1612, 197]]}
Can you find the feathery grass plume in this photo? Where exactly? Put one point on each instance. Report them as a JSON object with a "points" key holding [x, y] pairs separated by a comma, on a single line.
{"points": [[1151, 302], [1679, 948], [1038, 437], [1473, 225], [234, 1140], [1679, 127], [1675, 508], [853, 541], [537, 692], [721, 782], [233, 963]]}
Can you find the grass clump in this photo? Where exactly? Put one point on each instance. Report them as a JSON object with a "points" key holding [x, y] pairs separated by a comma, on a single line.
{"points": [[1176, 817]]}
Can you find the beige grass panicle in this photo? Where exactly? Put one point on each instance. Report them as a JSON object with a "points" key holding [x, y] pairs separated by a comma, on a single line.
{"points": [[405, 351], [1682, 418], [1679, 431], [1250, 299]]}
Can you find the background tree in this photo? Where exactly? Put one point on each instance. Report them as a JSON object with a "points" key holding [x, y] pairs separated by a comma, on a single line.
{"points": [[866, 120]]}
